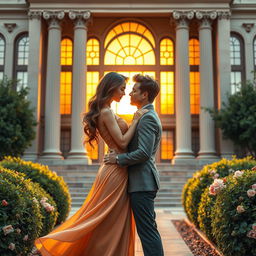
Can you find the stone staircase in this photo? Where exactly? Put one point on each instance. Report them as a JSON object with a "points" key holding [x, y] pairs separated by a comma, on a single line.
{"points": [[172, 179]]}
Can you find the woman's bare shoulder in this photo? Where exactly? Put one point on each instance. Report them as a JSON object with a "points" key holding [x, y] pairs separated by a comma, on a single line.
{"points": [[106, 113]]}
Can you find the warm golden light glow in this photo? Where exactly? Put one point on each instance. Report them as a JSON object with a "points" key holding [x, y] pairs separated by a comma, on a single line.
{"points": [[124, 108], [92, 80], [129, 49], [93, 52], [65, 92], [194, 92], [130, 27], [167, 145], [167, 93], [66, 52], [93, 152], [194, 52], [166, 52]]}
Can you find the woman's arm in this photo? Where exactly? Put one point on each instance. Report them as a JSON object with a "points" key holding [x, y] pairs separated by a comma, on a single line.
{"points": [[122, 140]]}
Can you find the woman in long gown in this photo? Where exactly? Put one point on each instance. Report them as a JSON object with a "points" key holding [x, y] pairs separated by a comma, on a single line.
{"points": [[104, 225]]}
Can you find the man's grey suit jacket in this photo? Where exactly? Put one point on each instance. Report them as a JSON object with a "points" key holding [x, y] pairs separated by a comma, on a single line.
{"points": [[140, 158]]}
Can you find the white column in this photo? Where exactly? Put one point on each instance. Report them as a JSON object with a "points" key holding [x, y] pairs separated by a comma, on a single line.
{"points": [[52, 102], [34, 77], [207, 130], [224, 71], [183, 154], [78, 84]]}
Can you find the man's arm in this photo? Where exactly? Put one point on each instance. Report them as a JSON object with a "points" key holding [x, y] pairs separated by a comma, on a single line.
{"points": [[147, 130]]}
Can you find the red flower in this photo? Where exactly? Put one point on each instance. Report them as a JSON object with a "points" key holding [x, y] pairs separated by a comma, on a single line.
{"points": [[4, 203]]}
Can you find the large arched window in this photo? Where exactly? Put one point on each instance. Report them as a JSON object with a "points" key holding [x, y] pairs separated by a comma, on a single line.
{"points": [[21, 60], [129, 43], [237, 62], [194, 62], [66, 76], [2, 56]]}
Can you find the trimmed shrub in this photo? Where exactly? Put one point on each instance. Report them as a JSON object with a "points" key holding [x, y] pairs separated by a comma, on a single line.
{"points": [[20, 217], [234, 216], [48, 180], [204, 178]]}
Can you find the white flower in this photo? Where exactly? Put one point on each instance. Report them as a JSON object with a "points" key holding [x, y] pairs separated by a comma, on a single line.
{"points": [[251, 193], [11, 246], [8, 229], [238, 174]]}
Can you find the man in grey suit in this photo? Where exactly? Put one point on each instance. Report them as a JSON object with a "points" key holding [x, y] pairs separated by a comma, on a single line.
{"points": [[140, 159]]}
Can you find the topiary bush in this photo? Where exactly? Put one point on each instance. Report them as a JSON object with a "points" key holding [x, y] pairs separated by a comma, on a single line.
{"points": [[48, 180], [20, 216], [205, 177], [234, 216]]}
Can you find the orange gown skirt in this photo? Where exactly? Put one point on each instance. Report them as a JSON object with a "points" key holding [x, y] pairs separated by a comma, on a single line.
{"points": [[103, 226]]}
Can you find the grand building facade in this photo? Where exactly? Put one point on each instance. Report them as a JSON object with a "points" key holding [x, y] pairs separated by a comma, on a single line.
{"points": [[199, 51]]}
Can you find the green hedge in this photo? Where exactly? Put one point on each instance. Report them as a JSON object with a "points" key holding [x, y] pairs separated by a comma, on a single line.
{"points": [[48, 180], [234, 216], [20, 218], [204, 178]]}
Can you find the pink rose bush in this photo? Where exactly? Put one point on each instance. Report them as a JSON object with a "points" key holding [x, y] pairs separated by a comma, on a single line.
{"points": [[216, 187]]}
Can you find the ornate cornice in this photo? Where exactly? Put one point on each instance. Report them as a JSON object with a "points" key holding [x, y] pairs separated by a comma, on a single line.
{"points": [[206, 18], [177, 15]]}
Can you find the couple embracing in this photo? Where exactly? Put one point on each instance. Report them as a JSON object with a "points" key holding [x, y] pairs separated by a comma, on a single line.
{"points": [[126, 184]]}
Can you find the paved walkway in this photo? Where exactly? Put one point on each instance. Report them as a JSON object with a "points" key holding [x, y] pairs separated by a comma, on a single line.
{"points": [[173, 244]]}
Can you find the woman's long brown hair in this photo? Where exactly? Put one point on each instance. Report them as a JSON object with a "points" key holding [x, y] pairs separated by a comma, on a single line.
{"points": [[104, 92]]}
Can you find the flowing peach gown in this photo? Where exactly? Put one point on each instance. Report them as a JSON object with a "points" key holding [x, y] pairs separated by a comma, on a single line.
{"points": [[104, 225]]}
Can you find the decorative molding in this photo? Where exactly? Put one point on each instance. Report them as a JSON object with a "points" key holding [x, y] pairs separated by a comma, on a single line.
{"points": [[209, 15], [80, 18], [248, 27], [177, 15], [35, 14], [224, 15], [10, 26], [54, 18]]}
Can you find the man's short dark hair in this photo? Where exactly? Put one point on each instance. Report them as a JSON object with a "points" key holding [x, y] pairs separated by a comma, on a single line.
{"points": [[147, 84]]}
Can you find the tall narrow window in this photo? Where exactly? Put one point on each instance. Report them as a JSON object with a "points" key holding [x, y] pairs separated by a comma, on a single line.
{"points": [[93, 52], [194, 62], [167, 143], [167, 77], [2, 56], [21, 61], [66, 76], [237, 62]]}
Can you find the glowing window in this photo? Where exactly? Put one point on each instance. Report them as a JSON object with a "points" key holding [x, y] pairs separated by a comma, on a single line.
{"points": [[194, 52], [123, 108], [167, 92], [167, 143], [130, 27], [93, 52], [194, 92], [65, 92], [92, 80], [166, 52], [129, 44], [235, 51], [66, 52]]}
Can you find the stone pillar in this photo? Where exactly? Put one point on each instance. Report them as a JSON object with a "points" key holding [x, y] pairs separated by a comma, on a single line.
{"points": [[52, 102], [183, 154], [224, 71], [34, 77], [78, 84], [207, 130]]}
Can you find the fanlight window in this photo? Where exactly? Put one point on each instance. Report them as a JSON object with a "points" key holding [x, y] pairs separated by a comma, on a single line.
{"points": [[166, 52], [93, 52], [133, 48]]}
